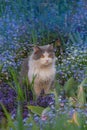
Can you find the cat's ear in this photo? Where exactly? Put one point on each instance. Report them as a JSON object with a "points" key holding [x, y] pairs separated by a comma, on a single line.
{"points": [[50, 48], [36, 49]]}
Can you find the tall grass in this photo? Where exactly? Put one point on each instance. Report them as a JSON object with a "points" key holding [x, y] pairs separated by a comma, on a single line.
{"points": [[60, 121]]}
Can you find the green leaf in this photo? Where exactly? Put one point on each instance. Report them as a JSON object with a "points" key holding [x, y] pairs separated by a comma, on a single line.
{"points": [[36, 109], [1, 66], [69, 87], [46, 110], [19, 117], [84, 82], [8, 116], [15, 79], [58, 87], [81, 94]]}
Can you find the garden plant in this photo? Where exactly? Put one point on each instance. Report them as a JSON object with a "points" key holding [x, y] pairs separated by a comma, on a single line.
{"points": [[26, 23]]}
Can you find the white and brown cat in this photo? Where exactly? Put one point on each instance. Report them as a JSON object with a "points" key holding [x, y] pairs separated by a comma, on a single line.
{"points": [[41, 64]]}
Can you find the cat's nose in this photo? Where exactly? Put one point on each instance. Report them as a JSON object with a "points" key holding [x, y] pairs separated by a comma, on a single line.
{"points": [[47, 60]]}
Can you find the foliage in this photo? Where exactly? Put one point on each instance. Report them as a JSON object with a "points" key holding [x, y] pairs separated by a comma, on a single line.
{"points": [[69, 86], [59, 120], [17, 87], [36, 109], [73, 61], [81, 94], [38, 21], [10, 123], [62, 22]]}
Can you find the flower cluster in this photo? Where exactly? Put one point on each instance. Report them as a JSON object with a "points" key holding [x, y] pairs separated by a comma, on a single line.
{"points": [[73, 62]]}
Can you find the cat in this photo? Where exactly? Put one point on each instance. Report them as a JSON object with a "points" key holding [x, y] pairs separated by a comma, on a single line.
{"points": [[41, 65]]}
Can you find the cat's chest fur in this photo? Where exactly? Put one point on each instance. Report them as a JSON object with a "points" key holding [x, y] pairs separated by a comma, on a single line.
{"points": [[42, 74], [41, 65]]}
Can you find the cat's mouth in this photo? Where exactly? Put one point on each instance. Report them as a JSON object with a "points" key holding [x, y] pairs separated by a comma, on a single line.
{"points": [[47, 63]]}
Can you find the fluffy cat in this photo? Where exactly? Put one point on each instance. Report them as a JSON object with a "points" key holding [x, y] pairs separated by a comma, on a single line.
{"points": [[41, 64]]}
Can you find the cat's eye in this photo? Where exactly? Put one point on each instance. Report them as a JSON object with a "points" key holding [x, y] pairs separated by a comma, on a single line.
{"points": [[50, 55], [42, 56]]}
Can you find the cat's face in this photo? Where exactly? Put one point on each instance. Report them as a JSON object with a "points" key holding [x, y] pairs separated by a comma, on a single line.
{"points": [[44, 54]]}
